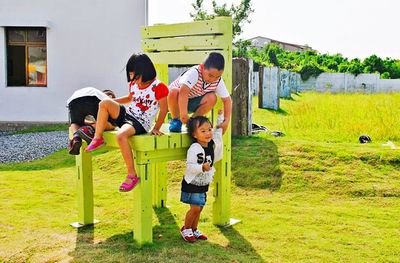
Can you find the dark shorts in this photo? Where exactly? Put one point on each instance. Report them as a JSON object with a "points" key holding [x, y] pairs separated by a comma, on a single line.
{"points": [[139, 129], [119, 121], [194, 198], [194, 103], [81, 107]]}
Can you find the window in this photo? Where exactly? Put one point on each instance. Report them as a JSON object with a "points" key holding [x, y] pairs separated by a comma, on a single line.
{"points": [[26, 56]]}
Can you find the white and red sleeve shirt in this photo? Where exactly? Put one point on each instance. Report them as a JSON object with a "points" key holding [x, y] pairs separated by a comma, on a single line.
{"points": [[145, 105], [193, 78]]}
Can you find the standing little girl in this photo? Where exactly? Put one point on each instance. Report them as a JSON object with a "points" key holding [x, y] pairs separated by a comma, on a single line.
{"points": [[147, 95], [201, 156]]}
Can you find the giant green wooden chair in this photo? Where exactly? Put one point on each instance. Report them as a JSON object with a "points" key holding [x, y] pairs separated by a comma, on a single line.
{"points": [[173, 44]]}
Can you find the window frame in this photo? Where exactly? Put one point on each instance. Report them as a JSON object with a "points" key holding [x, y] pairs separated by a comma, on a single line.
{"points": [[26, 44]]}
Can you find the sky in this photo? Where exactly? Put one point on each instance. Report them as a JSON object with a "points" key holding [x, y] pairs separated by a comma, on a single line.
{"points": [[353, 28]]}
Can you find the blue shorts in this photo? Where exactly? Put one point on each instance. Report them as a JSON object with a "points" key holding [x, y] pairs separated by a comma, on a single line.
{"points": [[194, 198], [194, 103]]}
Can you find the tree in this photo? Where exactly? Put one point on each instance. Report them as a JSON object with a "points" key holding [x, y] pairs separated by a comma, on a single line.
{"points": [[241, 48], [311, 63], [240, 14]]}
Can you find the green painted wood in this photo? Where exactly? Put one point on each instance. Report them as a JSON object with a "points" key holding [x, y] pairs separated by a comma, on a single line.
{"points": [[216, 26], [142, 142], [162, 142], [162, 72], [186, 141], [222, 179], [153, 170], [222, 191], [142, 209], [160, 190], [175, 142], [164, 155], [181, 57], [160, 168], [147, 142], [85, 187], [185, 43]]}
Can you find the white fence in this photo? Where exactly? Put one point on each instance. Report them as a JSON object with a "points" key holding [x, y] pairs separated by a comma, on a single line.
{"points": [[327, 82], [348, 83]]}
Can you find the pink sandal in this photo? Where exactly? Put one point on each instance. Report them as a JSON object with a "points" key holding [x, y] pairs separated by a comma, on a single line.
{"points": [[126, 187], [95, 144]]}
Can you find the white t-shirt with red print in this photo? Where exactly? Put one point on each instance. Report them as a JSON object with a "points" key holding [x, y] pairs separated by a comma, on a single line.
{"points": [[145, 105]]}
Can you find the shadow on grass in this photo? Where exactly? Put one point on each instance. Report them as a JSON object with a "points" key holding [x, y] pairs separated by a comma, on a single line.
{"points": [[167, 246], [255, 163], [280, 111], [288, 98]]}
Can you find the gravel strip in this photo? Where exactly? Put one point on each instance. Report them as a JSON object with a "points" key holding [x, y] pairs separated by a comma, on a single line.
{"points": [[17, 148]]}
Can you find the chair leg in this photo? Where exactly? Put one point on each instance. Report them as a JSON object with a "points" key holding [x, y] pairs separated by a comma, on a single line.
{"points": [[142, 198], [85, 189]]}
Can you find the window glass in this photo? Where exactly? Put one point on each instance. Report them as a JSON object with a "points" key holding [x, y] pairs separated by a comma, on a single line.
{"points": [[26, 56], [16, 36], [37, 67], [37, 35]]}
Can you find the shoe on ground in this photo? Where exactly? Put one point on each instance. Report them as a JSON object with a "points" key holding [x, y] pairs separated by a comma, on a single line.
{"points": [[86, 133], [198, 235], [74, 145], [95, 144], [175, 125], [187, 235]]}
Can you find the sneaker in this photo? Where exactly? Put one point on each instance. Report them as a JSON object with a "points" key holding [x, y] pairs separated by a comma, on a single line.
{"points": [[95, 144], [86, 133], [175, 125], [187, 235], [74, 145], [198, 235]]}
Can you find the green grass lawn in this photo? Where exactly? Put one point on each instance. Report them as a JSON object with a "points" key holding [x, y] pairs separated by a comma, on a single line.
{"points": [[44, 128], [300, 198], [335, 117]]}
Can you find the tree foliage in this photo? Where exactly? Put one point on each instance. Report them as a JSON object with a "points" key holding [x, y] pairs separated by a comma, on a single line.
{"points": [[311, 63], [240, 14]]}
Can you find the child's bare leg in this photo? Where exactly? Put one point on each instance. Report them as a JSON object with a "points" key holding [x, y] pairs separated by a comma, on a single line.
{"points": [[206, 104], [74, 127], [123, 136], [107, 107], [109, 127], [191, 215], [173, 105], [196, 220]]}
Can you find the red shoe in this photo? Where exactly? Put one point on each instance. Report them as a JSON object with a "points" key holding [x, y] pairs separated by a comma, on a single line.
{"points": [[187, 235], [198, 235], [126, 187], [86, 133], [95, 144]]}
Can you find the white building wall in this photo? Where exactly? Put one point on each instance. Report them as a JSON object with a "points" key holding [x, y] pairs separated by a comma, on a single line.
{"points": [[88, 44]]}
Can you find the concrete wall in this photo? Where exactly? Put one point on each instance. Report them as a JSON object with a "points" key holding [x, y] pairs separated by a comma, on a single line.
{"points": [[344, 82], [270, 85], [388, 85], [88, 44], [329, 82], [289, 81]]}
